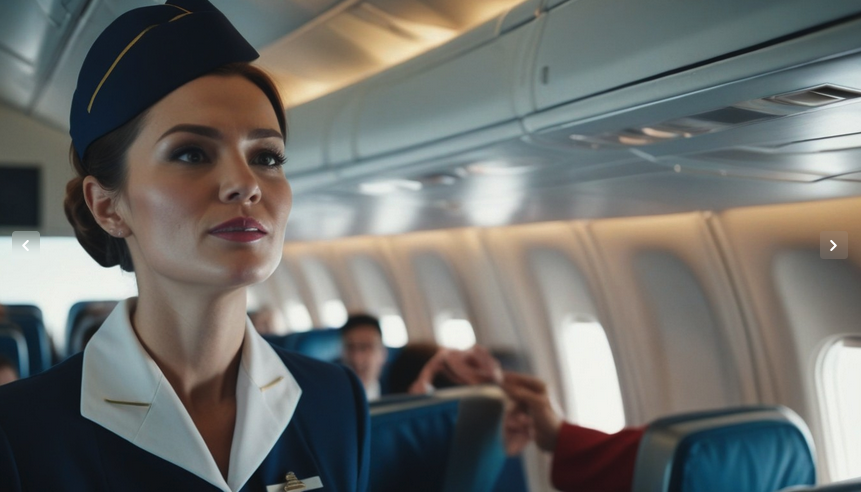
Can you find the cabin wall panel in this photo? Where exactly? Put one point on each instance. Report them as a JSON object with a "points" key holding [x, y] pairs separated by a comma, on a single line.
{"points": [[27, 142], [795, 301], [305, 256], [668, 292], [462, 251]]}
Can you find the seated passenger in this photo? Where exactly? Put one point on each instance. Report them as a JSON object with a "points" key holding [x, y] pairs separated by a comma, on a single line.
{"points": [[363, 351], [8, 373], [583, 458]]}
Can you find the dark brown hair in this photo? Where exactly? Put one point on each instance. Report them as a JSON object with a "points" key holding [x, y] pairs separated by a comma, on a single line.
{"points": [[106, 159]]}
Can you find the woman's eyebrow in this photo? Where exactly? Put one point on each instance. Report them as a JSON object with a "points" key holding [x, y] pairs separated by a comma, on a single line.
{"points": [[209, 132], [204, 131], [264, 133]]}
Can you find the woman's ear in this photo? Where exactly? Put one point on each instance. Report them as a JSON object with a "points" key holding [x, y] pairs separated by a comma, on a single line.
{"points": [[103, 205]]}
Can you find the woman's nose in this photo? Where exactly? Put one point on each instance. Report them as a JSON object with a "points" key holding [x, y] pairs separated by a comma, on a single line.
{"points": [[238, 182]]}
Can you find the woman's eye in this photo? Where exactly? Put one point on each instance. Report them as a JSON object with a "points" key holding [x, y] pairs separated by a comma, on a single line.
{"points": [[191, 156], [269, 159]]}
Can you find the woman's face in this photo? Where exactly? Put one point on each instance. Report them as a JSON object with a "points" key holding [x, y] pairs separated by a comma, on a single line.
{"points": [[208, 153]]}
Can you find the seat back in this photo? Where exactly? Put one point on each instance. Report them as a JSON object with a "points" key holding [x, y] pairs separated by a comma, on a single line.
{"points": [[755, 449], [451, 440], [13, 346], [29, 320], [81, 316], [323, 344]]}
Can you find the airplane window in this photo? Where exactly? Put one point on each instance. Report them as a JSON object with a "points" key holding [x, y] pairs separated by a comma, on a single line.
{"points": [[445, 301], [52, 280], [334, 313], [298, 317], [591, 372], [840, 380], [454, 333], [378, 298], [593, 397], [394, 330], [329, 304]]}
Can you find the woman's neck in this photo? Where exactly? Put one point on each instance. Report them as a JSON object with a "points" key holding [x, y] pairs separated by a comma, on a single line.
{"points": [[195, 340]]}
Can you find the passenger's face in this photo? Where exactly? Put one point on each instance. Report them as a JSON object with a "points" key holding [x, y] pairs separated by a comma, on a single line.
{"points": [[207, 153], [7, 375], [364, 352]]}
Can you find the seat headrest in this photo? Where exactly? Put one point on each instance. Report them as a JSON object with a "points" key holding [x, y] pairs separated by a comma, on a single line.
{"points": [[756, 449]]}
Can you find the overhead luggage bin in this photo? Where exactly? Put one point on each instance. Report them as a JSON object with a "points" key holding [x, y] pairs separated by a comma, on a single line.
{"points": [[594, 46]]}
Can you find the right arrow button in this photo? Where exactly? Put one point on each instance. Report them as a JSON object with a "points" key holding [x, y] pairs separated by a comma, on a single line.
{"points": [[834, 245]]}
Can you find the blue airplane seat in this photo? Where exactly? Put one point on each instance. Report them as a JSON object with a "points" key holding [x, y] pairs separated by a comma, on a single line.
{"points": [[450, 440], [323, 344], [13, 346], [512, 478], [80, 317], [754, 449], [393, 353], [29, 320], [25, 309]]}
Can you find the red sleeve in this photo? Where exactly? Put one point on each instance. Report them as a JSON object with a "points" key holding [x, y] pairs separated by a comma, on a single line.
{"points": [[587, 459]]}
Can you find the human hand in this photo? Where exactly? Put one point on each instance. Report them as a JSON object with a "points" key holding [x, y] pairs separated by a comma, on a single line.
{"points": [[462, 367], [530, 394], [517, 430]]}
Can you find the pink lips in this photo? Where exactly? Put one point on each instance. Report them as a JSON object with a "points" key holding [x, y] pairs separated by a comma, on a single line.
{"points": [[240, 229]]}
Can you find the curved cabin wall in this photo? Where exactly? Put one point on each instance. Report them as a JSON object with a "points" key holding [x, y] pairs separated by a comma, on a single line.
{"points": [[701, 310]]}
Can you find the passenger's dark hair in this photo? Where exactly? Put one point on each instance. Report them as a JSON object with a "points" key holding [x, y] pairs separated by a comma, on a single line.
{"points": [[358, 320], [106, 159], [407, 366]]}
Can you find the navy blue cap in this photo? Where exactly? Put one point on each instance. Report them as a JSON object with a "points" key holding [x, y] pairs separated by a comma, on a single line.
{"points": [[144, 55]]}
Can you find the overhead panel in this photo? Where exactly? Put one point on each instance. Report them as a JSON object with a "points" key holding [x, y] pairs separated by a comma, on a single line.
{"points": [[32, 35], [592, 46]]}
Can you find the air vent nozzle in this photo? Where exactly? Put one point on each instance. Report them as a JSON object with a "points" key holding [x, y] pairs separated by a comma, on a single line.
{"points": [[822, 95]]}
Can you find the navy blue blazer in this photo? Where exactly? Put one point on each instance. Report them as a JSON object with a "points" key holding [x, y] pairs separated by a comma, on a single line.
{"points": [[46, 445]]}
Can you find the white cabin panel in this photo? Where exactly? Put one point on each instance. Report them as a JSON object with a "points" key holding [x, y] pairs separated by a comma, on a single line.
{"points": [[668, 292]]}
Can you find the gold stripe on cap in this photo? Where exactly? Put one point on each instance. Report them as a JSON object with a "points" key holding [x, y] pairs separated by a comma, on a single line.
{"points": [[135, 40], [177, 7], [273, 383], [129, 403], [180, 16]]}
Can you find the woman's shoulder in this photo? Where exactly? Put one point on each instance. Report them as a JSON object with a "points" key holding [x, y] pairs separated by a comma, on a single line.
{"points": [[321, 379], [48, 393], [303, 367]]}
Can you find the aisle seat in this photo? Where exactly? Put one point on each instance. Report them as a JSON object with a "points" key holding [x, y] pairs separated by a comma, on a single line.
{"points": [[13, 346], [450, 440], [754, 449], [29, 320]]}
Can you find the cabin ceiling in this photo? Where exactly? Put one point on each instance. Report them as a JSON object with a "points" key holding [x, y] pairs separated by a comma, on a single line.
{"points": [[316, 47], [312, 47]]}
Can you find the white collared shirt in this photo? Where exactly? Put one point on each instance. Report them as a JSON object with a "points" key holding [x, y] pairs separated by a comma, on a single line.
{"points": [[372, 391], [124, 391]]}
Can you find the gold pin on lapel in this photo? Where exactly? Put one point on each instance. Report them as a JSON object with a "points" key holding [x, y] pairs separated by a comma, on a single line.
{"points": [[293, 483]]}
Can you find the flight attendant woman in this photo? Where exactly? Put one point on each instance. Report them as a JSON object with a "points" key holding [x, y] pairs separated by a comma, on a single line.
{"points": [[178, 144]]}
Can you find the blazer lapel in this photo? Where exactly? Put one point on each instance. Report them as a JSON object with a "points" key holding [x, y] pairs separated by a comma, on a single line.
{"points": [[124, 391]]}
